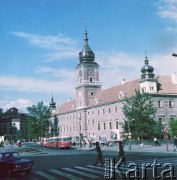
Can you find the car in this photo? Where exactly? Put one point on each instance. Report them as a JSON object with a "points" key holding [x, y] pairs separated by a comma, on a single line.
{"points": [[12, 163]]}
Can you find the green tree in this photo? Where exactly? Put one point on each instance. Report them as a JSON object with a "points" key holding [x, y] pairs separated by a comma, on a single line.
{"points": [[39, 119], [173, 127], [158, 130], [139, 112]]}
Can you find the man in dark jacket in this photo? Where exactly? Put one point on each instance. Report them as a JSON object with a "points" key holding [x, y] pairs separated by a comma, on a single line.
{"points": [[175, 143], [121, 157], [99, 154]]}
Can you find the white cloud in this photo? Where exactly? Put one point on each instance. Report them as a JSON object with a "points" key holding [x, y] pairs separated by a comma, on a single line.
{"points": [[168, 9], [116, 66], [64, 73], [35, 85], [20, 104], [62, 46]]}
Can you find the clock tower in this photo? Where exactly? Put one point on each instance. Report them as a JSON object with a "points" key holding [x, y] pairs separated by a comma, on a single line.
{"points": [[87, 72]]}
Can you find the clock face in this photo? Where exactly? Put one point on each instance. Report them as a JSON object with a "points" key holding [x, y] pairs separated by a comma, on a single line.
{"points": [[90, 71]]}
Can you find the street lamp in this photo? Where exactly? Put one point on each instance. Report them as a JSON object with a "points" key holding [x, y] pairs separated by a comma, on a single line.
{"points": [[80, 132], [129, 134], [174, 54], [166, 137]]}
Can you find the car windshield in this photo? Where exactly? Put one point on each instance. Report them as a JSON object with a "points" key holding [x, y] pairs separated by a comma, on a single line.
{"points": [[11, 156], [16, 155]]}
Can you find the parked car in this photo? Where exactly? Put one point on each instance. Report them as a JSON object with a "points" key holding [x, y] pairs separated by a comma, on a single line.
{"points": [[11, 163]]}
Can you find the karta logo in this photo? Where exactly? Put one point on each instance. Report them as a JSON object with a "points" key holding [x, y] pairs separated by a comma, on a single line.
{"points": [[114, 170]]}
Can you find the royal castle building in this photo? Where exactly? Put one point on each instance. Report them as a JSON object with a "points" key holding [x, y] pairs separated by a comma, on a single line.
{"points": [[96, 113]]}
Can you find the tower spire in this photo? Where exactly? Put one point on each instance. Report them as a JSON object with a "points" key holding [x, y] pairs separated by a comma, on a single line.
{"points": [[86, 55], [52, 103], [85, 34], [146, 59], [147, 70]]}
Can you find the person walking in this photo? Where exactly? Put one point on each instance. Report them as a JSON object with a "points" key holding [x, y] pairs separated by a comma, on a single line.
{"points": [[121, 156], [175, 143], [99, 154], [156, 142]]}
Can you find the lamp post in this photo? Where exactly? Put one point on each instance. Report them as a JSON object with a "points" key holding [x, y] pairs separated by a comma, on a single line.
{"points": [[174, 54], [129, 134], [80, 132], [166, 137]]}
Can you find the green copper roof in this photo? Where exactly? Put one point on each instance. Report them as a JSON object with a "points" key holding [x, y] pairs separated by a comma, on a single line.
{"points": [[86, 54]]}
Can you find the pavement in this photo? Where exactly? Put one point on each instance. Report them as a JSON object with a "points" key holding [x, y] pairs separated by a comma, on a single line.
{"points": [[23, 150], [138, 148], [143, 148]]}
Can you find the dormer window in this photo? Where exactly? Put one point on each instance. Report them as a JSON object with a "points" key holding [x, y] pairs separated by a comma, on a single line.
{"points": [[151, 88]]}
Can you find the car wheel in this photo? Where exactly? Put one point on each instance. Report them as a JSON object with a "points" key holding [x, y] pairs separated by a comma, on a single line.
{"points": [[9, 172], [28, 171]]}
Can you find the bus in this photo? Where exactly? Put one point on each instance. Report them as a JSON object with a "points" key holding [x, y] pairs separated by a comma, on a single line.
{"points": [[50, 142], [44, 142], [58, 142], [64, 142]]}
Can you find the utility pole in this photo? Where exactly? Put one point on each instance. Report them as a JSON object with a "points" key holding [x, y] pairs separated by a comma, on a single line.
{"points": [[174, 54], [129, 134]]}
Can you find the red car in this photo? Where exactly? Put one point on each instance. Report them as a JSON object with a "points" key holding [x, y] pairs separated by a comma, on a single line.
{"points": [[11, 163]]}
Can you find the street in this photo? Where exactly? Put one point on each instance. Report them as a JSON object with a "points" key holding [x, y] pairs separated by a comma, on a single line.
{"points": [[78, 164]]}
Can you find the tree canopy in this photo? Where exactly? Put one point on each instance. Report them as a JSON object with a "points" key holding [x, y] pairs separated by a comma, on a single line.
{"points": [[173, 127], [39, 120], [139, 113]]}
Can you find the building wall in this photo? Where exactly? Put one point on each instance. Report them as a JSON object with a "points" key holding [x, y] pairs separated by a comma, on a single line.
{"points": [[96, 121]]}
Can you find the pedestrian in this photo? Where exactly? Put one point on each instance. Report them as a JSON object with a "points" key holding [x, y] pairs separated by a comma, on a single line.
{"points": [[99, 154], [156, 142], [175, 143], [121, 156]]}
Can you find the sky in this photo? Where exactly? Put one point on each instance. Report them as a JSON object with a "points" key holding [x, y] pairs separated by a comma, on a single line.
{"points": [[40, 41]]}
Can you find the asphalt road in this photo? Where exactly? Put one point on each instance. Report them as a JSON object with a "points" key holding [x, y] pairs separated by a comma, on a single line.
{"points": [[78, 164]]}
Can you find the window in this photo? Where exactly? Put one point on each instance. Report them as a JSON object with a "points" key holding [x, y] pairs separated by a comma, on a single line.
{"points": [[110, 125], [98, 126], [151, 88], [91, 79], [109, 110], [115, 109], [170, 104], [117, 125], [98, 112], [93, 121], [80, 73], [159, 103], [160, 120], [104, 126], [103, 111], [92, 93], [172, 117]]}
